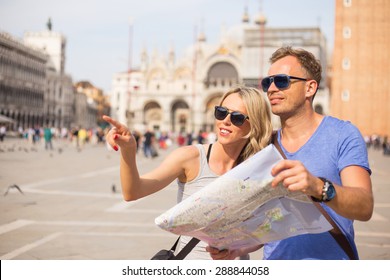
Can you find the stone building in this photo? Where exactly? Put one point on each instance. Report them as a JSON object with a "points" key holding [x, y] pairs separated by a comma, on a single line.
{"points": [[59, 92], [179, 94], [22, 82], [35, 90], [98, 103]]}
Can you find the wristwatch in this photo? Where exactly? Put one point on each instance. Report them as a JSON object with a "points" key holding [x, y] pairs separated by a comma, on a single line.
{"points": [[328, 191]]}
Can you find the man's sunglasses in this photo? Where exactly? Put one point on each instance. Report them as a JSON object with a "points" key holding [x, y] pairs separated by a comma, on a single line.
{"points": [[236, 118], [281, 81]]}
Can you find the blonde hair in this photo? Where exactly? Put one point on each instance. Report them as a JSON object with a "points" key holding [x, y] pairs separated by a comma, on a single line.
{"points": [[259, 115]]}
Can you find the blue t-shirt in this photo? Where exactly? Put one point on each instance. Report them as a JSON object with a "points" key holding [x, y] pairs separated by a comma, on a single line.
{"points": [[335, 145]]}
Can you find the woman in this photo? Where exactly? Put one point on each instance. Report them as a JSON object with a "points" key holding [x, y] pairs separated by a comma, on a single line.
{"points": [[243, 127]]}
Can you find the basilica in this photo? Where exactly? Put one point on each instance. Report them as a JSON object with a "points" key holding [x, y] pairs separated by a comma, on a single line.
{"points": [[178, 94]]}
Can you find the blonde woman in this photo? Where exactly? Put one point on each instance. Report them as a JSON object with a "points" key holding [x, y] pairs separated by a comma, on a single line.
{"points": [[243, 127]]}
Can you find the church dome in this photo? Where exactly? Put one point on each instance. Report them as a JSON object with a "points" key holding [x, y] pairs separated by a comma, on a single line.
{"points": [[260, 19], [245, 17], [202, 37]]}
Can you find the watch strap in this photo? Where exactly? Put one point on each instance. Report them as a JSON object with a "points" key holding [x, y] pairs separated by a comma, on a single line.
{"points": [[324, 197], [315, 199]]}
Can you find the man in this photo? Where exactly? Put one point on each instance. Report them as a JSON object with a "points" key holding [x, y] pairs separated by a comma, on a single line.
{"points": [[3, 131], [148, 142], [326, 159], [47, 135]]}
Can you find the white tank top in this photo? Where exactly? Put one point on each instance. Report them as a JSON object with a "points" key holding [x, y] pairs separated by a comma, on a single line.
{"points": [[204, 177]]}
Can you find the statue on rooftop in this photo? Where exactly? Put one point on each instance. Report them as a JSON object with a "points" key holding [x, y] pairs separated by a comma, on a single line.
{"points": [[49, 25]]}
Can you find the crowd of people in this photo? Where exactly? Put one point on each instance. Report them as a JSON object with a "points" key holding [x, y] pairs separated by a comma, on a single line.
{"points": [[378, 142], [148, 142], [78, 136], [153, 140]]}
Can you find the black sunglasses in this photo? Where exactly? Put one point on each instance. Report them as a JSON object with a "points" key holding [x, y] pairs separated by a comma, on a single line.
{"points": [[281, 81], [236, 118]]}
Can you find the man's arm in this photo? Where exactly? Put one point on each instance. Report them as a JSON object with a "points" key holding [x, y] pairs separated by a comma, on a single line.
{"points": [[353, 200]]}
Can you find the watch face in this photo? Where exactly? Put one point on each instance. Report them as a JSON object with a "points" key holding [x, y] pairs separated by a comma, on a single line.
{"points": [[328, 191], [331, 192]]}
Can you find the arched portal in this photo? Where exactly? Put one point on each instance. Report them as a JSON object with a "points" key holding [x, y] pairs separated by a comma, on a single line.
{"points": [[221, 74], [153, 115], [180, 117], [213, 101]]}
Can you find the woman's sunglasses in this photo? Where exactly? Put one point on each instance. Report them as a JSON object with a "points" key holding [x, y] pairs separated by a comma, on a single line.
{"points": [[236, 118], [281, 81]]}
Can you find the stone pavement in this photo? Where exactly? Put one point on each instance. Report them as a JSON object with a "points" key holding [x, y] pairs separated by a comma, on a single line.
{"points": [[71, 207]]}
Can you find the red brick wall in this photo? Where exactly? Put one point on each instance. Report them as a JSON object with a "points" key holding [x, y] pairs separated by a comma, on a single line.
{"points": [[368, 78]]}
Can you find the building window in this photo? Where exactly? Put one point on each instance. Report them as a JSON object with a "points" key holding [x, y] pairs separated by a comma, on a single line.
{"points": [[345, 95], [346, 64], [347, 3], [347, 32]]}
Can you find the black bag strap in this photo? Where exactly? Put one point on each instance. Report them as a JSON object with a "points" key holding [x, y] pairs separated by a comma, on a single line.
{"points": [[209, 152], [335, 231], [186, 249], [173, 249]]}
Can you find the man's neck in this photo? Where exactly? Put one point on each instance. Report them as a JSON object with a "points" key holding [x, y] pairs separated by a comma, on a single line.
{"points": [[297, 130]]}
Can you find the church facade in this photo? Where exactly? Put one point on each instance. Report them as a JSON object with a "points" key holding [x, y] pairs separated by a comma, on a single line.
{"points": [[178, 95]]}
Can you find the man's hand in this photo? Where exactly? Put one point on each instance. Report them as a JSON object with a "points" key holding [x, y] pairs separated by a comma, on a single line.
{"points": [[295, 177], [221, 254]]}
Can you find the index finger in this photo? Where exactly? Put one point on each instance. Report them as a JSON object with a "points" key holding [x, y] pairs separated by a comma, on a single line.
{"points": [[112, 121], [282, 165]]}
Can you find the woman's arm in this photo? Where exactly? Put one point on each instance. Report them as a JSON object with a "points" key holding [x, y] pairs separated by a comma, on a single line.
{"points": [[135, 186]]}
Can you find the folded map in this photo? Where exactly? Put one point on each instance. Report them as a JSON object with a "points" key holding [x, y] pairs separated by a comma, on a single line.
{"points": [[241, 209]]}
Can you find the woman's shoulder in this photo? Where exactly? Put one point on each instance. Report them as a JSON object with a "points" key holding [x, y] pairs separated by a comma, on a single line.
{"points": [[187, 152]]}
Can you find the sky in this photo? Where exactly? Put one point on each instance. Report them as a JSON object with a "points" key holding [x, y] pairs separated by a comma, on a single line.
{"points": [[102, 35]]}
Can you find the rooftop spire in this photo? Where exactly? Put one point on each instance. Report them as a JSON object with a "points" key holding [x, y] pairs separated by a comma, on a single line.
{"points": [[260, 18], [201, 35], [245, 16]]}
